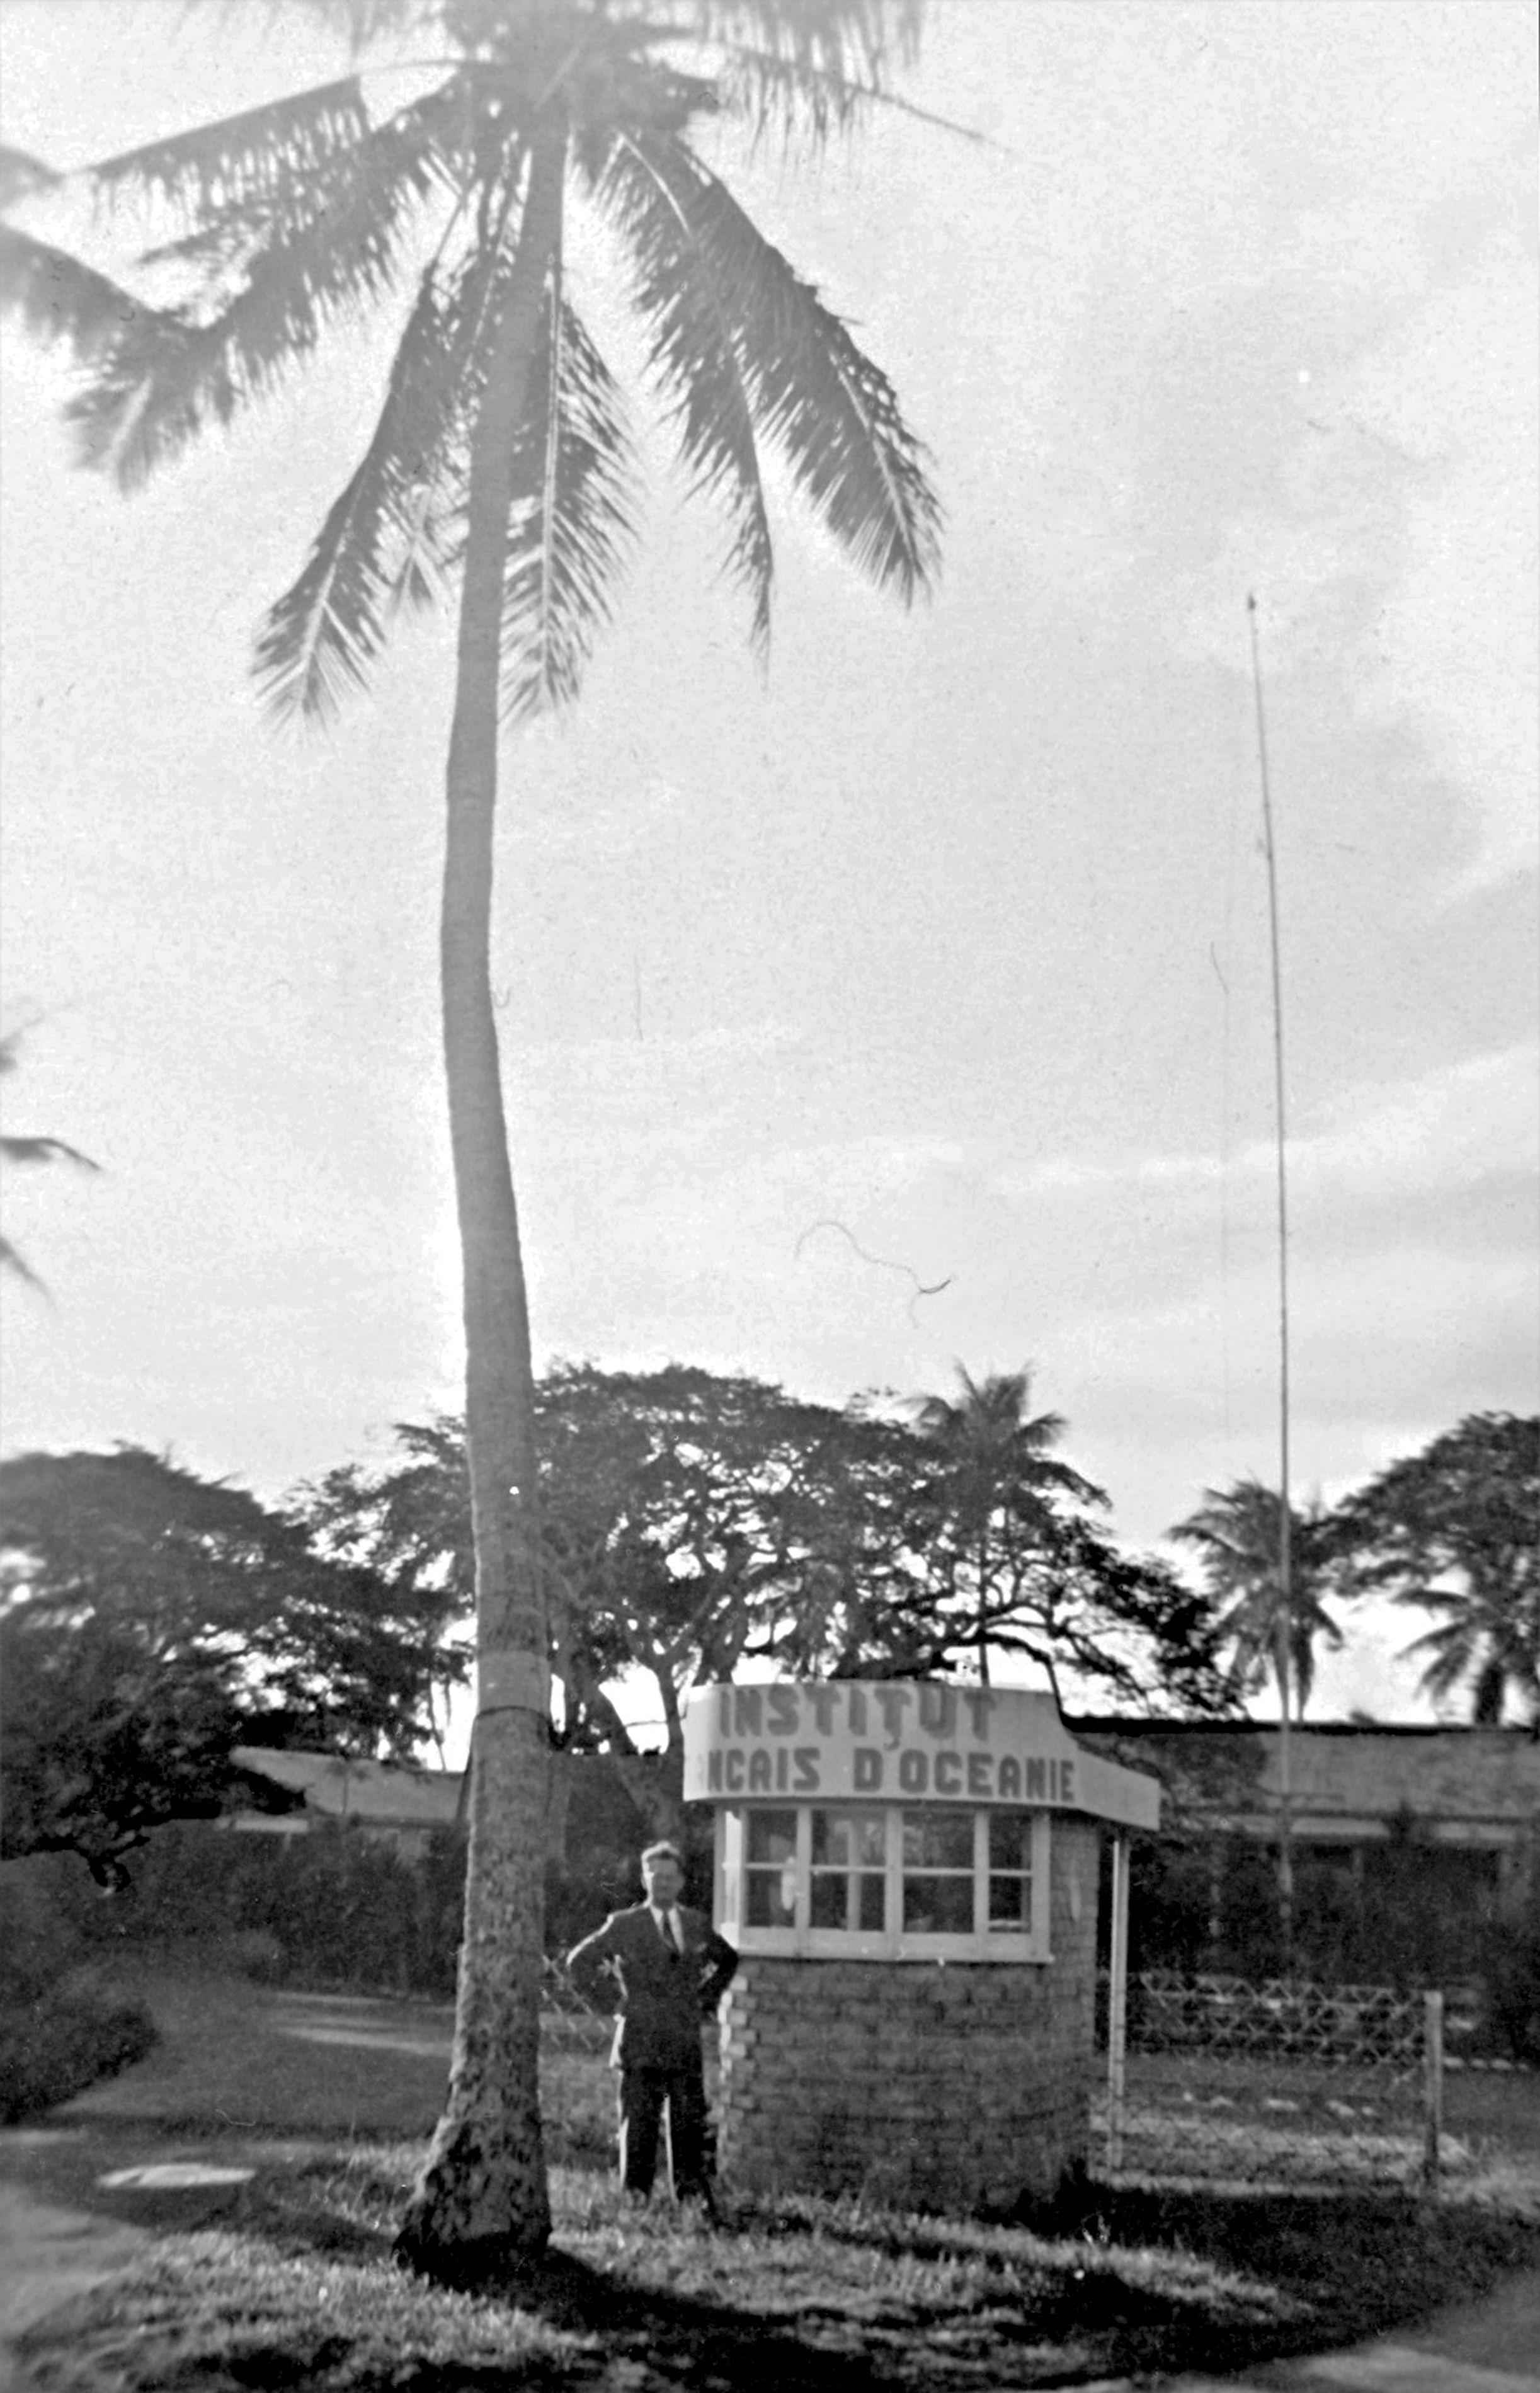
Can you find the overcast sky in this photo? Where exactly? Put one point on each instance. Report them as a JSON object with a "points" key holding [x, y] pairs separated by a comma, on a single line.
{"points": [[952, 932]]}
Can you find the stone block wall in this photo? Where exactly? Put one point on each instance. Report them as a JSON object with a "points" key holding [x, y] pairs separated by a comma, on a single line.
{"points": [[960, 2086]]}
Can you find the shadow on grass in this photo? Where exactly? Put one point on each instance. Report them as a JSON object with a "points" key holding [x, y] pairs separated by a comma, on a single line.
{"points": [[670, 2335], [680, 2338], [1357, 2264]]}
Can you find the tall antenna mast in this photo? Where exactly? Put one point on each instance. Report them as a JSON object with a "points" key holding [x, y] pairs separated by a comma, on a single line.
{"points": [[1283, 1656]]}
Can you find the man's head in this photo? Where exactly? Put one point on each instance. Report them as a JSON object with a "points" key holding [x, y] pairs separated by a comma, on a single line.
{"points": [[663, 1875]]}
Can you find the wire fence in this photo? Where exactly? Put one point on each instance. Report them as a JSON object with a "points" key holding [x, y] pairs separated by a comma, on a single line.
{"points": [[568, 2019], [1279, 2082]]}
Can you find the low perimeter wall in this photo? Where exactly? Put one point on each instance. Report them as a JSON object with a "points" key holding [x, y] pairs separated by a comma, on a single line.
{"points": [[957, 2087]]}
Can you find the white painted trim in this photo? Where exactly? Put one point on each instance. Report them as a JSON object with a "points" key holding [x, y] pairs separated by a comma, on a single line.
{"points": [[803, 1942]]}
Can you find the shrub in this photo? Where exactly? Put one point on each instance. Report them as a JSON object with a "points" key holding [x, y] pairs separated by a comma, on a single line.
{"points": [[50, 1922], [1511, 1983], [56, 2047]]}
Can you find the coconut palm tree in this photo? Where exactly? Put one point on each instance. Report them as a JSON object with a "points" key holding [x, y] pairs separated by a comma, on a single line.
{"points": [[1236, 1530], [996, 1464], [500, 460], [1456, 1530]]}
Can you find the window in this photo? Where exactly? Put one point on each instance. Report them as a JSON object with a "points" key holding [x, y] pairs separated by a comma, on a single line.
{"points": [[770, 1872], [849, 1869], [938, 1873], [1009, 1873], [873, 1880]]}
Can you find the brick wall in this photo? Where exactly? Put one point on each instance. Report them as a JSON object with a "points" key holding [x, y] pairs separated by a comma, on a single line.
{"points": [[962, 2086]]}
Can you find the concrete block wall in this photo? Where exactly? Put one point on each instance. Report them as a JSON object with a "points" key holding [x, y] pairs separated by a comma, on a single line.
{"points": [[960, 2086]]}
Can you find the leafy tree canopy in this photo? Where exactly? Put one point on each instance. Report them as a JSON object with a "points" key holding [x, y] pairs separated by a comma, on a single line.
{"points": [[149, 1619], [1456, 1530], [692, 1523]]}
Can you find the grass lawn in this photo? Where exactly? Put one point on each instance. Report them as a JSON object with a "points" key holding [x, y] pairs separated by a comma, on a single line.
{"points": [[286, 2279]]}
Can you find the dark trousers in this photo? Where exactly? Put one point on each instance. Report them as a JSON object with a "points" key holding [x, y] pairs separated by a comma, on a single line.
{"points": [[642, 2094]]}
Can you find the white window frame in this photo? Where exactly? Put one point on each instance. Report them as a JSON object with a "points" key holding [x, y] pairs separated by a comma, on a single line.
{"points": [[892, 1942]]}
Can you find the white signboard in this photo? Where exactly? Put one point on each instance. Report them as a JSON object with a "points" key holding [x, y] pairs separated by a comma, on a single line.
{"points": [[900, 1741]]}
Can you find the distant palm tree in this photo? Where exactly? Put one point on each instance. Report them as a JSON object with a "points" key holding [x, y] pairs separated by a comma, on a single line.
{"points": [[1237, 1531], [500, 459], [995, 1459], [1456, 1530]]}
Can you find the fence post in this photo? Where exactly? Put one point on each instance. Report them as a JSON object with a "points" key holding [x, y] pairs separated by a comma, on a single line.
{"points": [[1432, 2085], [1118, 2001]]}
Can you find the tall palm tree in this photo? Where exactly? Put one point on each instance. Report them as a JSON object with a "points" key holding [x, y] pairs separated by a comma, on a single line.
{"points": [[1236, 1531], [995, 1461], [501, 457]]}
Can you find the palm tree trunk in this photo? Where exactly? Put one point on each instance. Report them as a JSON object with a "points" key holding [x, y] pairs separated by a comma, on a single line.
{"points": [[482, 2202]]}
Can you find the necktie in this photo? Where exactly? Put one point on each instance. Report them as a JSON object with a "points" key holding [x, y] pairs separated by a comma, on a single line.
{"points": [[665, 1930]]}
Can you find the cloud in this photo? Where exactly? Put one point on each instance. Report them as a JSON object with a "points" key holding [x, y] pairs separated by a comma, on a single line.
{"points": [[1402, 548], [1435, 1129], [1454, 639]]}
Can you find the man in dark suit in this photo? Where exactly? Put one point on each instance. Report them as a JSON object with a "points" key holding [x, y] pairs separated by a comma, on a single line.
{"points": [[667, 1968]]}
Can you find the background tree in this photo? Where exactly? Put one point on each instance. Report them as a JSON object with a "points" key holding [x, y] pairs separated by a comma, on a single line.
{"points": [[995, 1478], [154, 1618], [689, 1520], [1236, 1532], [693, 1522], [500, 456], [129, 1587], [1456, 1530]]}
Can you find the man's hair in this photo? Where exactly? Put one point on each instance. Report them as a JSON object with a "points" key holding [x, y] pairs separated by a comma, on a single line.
{"points": [[663, 1853]]}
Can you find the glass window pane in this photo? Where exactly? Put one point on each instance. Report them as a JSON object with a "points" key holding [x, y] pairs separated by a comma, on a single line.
{"points": [[772, 1835], [1010, 1902], [831, 1839], [938, 1840], [871, 1839], [938, 1906], [872, 1905], [1011, 1840], [831, 1898], [854, 1840], [770, 1898]]}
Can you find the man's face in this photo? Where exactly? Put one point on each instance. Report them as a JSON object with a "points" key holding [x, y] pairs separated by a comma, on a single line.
{"points": [[662, 1879]]}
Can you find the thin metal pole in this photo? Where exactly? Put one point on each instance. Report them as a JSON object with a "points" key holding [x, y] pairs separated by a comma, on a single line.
{"points": [[1282, 1657], [1432, 2085], [1118, 2001]]}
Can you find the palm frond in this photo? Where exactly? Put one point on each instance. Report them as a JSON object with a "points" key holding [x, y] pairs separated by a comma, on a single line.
{"points": [[806, 65], [329, 245], [810, 388], [359, 23], [694, 357], [571, 522], [14, 1261], [15, 1148], [21, 173], [379, 542], [256, 156], [772, 93], [58, 298]]}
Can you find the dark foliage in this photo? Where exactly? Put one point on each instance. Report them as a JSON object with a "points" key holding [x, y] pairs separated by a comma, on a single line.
{"points": [[1455, 1531], [145, 1615], [62, 2043]]}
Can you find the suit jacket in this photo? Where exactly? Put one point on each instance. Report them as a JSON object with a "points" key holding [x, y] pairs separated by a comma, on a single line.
{"points": [[662, 1995]]}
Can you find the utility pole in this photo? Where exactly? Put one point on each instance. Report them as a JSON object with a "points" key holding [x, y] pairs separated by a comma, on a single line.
{"points": [[1282, 1654]]}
